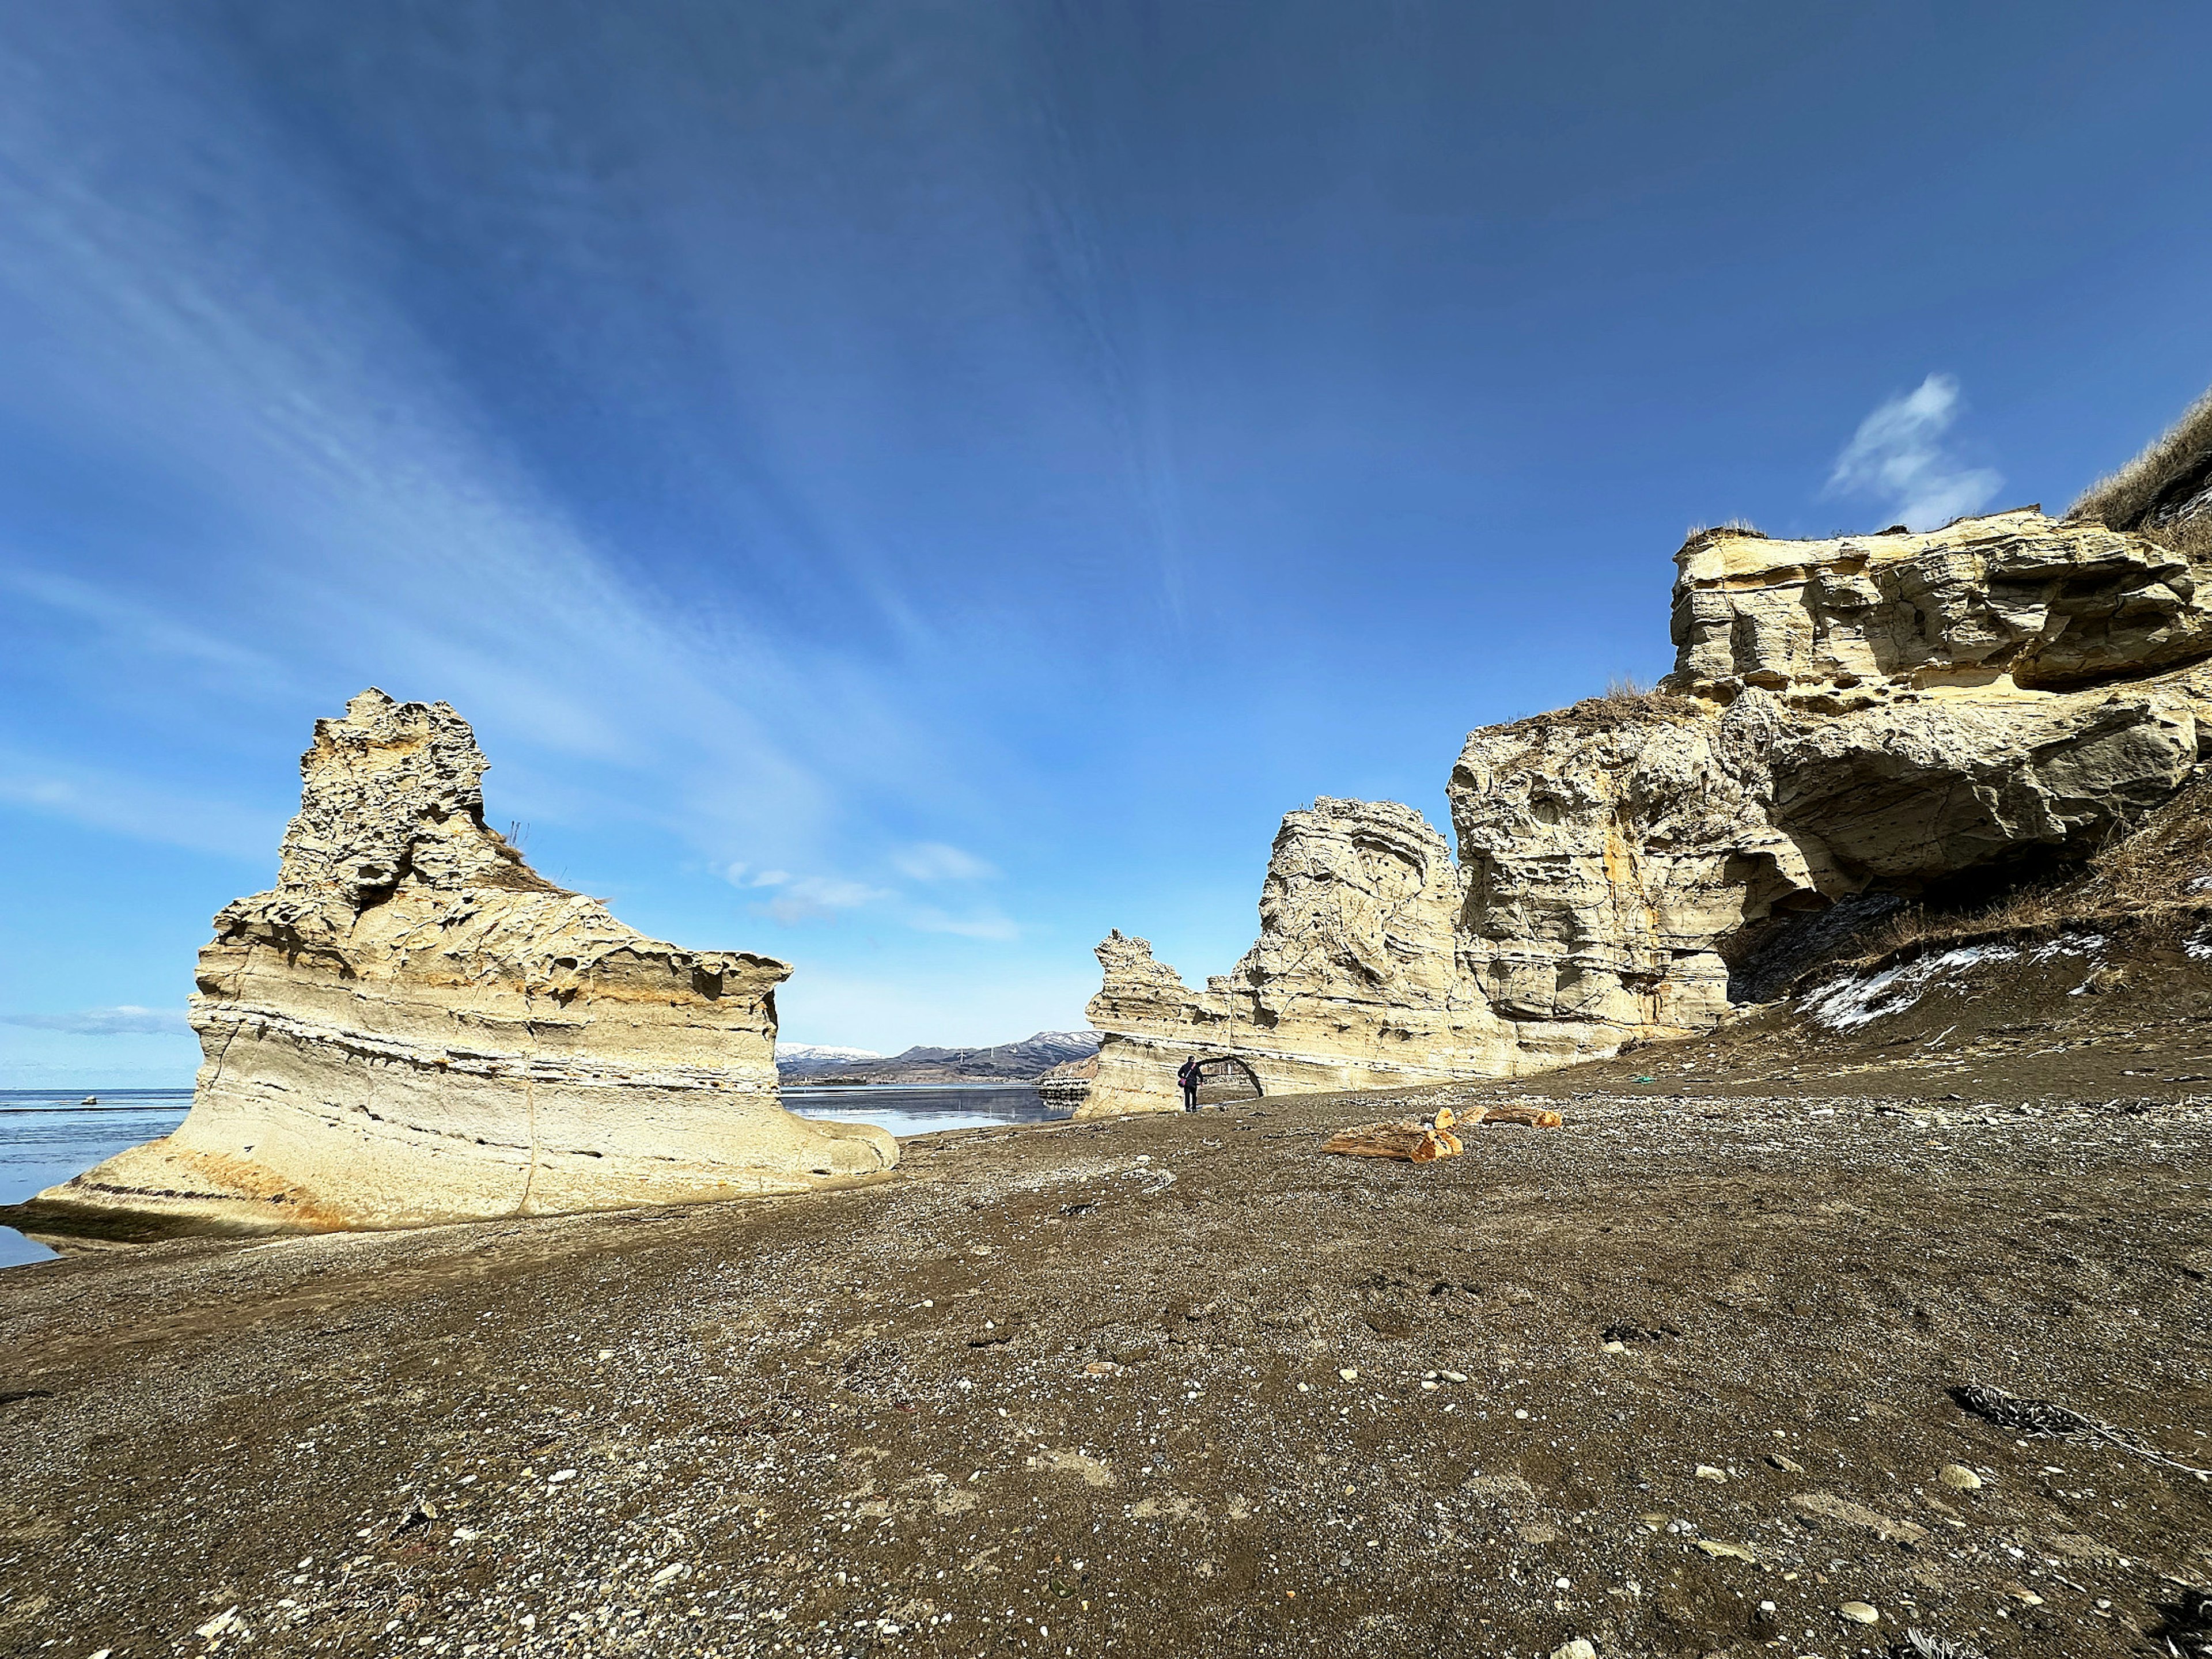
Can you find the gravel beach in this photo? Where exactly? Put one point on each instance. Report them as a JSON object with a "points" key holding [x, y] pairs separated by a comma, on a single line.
{"points": [[1673, 1379]]}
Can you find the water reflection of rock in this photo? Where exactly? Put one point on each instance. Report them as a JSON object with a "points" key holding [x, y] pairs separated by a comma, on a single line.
{"points": [[1069, 1083]]}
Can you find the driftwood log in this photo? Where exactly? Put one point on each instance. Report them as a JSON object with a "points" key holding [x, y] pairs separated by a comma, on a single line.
{"points": [[1425, 1140], [1536, 1117], [1411, 1143]]}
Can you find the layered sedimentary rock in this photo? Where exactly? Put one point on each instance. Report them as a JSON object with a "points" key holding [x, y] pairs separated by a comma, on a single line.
{"points": [[1878, 715], [413, 1026]]}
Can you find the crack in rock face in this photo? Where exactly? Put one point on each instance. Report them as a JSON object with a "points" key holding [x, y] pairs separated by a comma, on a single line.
{"points": [[414, 1026], [1852, 724]]}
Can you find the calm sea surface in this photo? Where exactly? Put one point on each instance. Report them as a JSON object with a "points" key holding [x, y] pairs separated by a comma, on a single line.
{"points": [[46, 1135]]}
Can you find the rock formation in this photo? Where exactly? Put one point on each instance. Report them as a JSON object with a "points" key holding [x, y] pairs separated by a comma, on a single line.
{"points": [[1861, 717], [413, 1026]]}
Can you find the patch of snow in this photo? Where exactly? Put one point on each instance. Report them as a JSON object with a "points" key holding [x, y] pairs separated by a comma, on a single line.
{"points": [[2200, 946], [2068, 945], [816, 1051], [1847, 1003]]}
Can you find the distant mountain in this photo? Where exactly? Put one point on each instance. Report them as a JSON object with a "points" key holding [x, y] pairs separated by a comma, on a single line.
{"points": [[1005, 1062]]}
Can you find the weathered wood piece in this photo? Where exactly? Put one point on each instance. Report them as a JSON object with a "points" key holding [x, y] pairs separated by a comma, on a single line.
{"points": [[1425, 1140], [1410, 1143], [1536, 1117]]}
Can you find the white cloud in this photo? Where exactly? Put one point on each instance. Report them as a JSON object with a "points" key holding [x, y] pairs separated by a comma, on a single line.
{"points": [[933, 860], [379, 514], [740, 875], [129, 626], [1898, 456], [809, 899], [927, 919], [124, 806], [123, 1020]]}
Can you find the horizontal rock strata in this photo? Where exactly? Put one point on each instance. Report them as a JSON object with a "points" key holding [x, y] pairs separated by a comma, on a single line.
{"points": [[413, 1026], [1876, 715]]}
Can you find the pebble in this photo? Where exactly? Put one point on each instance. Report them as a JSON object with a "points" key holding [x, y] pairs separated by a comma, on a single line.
{"points": [[1523, 1415], [1960, 1478], [1350, 1373], [1859, 1613], [1707, 1471], [1578, 1649], [1454, 1377], [1786, 1463], [221, 1624]]}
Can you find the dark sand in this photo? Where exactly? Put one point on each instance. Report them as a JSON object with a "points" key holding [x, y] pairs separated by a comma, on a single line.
{"points": [[1077, 1388]]}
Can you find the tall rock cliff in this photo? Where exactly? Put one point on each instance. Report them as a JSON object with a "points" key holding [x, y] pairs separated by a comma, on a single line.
{"points": [[1885, 714], [413, 1026]]}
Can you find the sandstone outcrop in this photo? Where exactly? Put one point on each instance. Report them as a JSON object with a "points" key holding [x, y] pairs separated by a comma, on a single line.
{"points": [[413, 1026], [1849, 719]]}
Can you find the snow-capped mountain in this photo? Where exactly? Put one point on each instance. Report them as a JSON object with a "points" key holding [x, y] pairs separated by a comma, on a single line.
{"points": [[1005, 1062]]}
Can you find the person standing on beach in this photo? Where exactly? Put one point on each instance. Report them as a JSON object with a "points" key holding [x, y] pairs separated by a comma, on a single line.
{"points": [[1188, 1078]]}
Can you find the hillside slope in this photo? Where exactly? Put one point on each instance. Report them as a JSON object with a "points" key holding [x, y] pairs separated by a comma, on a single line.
{"points": [[1021, 1061]]}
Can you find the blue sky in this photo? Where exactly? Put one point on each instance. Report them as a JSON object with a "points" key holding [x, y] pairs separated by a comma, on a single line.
{"points": [[909, 487]]}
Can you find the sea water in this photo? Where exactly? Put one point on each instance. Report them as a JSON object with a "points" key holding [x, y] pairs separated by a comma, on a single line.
{"points": [[47, 1135]]}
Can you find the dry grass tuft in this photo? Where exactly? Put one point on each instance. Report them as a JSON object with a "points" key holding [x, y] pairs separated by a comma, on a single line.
{"points": [[2027, 910], [1626, 703], [2120, 500], [2191, 537], [2157, 873], [1699, 534], [2159, 863]]}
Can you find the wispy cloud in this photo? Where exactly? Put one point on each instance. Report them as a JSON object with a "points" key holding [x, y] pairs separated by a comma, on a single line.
{"points": [[378, 514], [740, 875], [792, 900], [813, 898], [123, 1020], [927, 919], [125, 624], [933, 860], [1898, 456], [100, 800]]}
